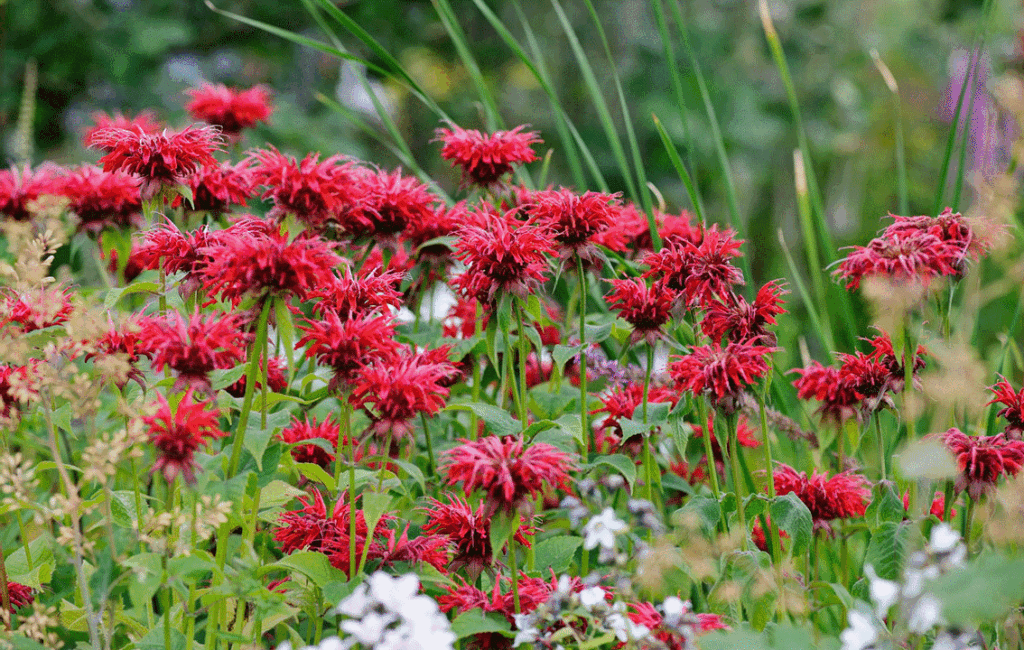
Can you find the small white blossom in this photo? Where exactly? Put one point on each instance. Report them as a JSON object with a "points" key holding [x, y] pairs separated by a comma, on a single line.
{"points": [[862, 632], [592, 597], [601, 530], [926, 614], [944, 538], [673, 609], [624, 629], [884, 593]]}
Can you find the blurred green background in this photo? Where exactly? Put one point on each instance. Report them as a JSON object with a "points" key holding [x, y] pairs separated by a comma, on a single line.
{"points": [[130, 55]]}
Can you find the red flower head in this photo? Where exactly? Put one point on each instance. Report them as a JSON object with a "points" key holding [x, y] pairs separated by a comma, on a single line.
{"points": [[195, 347], [444, 222], [701, 271], [349, 346], [353, 296], [646, 309], [844, 496], [948, 226], [671, 638], [485, 159], [469, 532], [18, 388], [231, 110], [20, 187], [145, 121], [400, 388], [574, 219], [883, 354], [840, 399], [276, 379], [160, 159], [391, 203], [627, 228], [983, 459], [20, 595], [502, 255], [35, 309], [310, 429], [178, 435], [938, 507], [102, 198], [621, 402], [390, 547], [460, 321], [261, 264], [215, 188], [732, 315], [744, 434], [1013, 403], [723, 372], [902, 256], [757, 535], [510, 472], [313, 191]]}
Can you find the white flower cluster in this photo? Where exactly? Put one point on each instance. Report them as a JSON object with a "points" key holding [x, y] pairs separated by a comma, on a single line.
{"points": [[388, 613], [920, 610]]}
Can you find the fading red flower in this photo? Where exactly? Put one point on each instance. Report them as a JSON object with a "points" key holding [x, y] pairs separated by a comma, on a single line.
{"points": [[178, 435], [394, 391], [903, 256], [160, 159], [469, 532], [948, 226], [101, 198], [349, 346], [983, 459], [351, 296], [273, 263], [509, 471], [732, 315], [391, 203], [744, 434], [938, 507], [215, 188], [274, 371], [460, 321], [843, 496], [502, 255], [195, 346], [232, 110], [485, 159], [309, 429], [1013, 407], [723, 372], [620, 403], [35, 309], [574, 219], [18, 388], [124, 339], [19, 595], [701, 271], [20, 187], [145, 121], [647, 309], [313, 191]]}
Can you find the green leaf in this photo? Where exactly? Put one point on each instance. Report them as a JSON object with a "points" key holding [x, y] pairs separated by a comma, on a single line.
{"points": [[155, 639], [115, 295], [598, 333], [887, 548], [571, 422], [790, 514], [706, 511], [886, 506], [537, 427], [122, 508], [311, 564], [286, 328], [985, 590], [498, 420], [475, 621], [223, 378], [562, 353], [315, 473], [623, 464], [257, 437], [503, 527], [278, 493], [556, 552]]}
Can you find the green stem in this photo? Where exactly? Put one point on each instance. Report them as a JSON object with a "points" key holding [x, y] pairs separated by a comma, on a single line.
{"points": [[737, 480], [259, 342], [588, 435], [771, 529], [474, 419], [430, 445], [881, 444], [648, 459], [523, 352], [968, 523], [351, 500], [515, 574], [947, 501], [709, 452], [5, 596]]}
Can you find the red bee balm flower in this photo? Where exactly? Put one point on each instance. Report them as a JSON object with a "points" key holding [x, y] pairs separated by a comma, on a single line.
{"points": [[351, 296], [215, 188], [574, 219], [145, 121], [983, 459], [702, 271], [844, 496], [671, 638], [948, 226], [310, 429], [160, 159], [469, 532], [723, 372], [19, 187], [349, 346], [178, 435], [20, 595], [312, 190], [102, 198], [1013, 411], [902, 256], [391, 203], [231, 110], [196, 346], [646, 309], [502, 255], [510, 472], [485, 159], [732, 315]]}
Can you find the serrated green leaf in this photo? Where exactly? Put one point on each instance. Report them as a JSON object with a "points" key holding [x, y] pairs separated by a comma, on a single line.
{"points": [[498, 420], [503, 527], [311, 564], [562, 353], [257, 437], [706, 511], [886, 506], [475, 621], [887, 548], [622, 464], [556, 552], [114, 295], [790, 514]]}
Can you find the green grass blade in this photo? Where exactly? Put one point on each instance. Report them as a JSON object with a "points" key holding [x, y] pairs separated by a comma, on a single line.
{"points": [[824, 334], [903, 199], [677, 162], [673, 68], [458, 36], [634, 146], [596, 96], [803, 209]]}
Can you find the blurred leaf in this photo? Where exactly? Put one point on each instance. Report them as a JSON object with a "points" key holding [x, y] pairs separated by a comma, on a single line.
{"points": [[556, 552], [622, 464], [705, 511], [498, 420], [790, 514], [887, 548], [476, 621], [984, 590]]}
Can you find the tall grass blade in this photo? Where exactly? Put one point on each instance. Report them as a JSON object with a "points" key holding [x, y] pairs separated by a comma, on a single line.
{"points": [[673, 68], [824, 334], [903, 200], [677, 162]]}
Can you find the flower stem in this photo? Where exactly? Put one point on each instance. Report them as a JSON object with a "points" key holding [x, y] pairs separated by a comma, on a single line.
{"points": [[430, 445], [259, 342], [771, 528], [588, 435], [737, 480], [709, 453], [881, 445], [524, 350], [648, 460], [515, 574]]}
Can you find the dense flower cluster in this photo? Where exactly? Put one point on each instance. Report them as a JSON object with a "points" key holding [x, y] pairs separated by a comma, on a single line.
{"points": [[983, 459], [721, 372], [486, 159]]}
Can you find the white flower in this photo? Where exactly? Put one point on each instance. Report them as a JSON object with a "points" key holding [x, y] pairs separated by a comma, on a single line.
{"points": [[673, 609], [592, 597], [394, 593], [926, 614], [601, 530], [369, 629], [862, 632], [884, 593], [356, 604], [624, 629], [944, 538]]}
